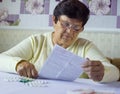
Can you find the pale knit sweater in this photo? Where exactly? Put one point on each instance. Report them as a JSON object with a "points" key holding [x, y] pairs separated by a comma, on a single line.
{"points": [[37, 48]]}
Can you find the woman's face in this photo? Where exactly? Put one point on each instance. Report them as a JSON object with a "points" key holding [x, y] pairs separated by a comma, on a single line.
{"points": [[66, 30]]}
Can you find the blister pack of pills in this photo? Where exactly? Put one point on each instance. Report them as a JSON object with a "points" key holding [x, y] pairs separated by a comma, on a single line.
{"points": [[37, 83], [27, 81]]}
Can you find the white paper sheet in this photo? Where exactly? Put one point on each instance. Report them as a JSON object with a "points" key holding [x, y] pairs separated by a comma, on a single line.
{"points": [[62, 65]]}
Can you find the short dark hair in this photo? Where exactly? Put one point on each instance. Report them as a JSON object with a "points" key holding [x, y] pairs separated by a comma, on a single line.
{"points": [[72, 9]]}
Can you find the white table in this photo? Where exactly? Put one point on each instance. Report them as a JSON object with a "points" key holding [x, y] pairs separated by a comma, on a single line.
{"points": [[53, 86]]}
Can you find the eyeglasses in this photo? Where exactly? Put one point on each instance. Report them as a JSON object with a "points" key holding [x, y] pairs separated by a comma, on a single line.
{"points": [[67, 25]]}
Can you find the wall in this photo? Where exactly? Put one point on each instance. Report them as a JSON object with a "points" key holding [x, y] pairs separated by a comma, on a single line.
{"points": [[105, 14]]}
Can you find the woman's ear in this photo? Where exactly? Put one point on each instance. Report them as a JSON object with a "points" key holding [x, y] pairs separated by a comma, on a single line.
{"points": [[53, 19], [82, 29]]}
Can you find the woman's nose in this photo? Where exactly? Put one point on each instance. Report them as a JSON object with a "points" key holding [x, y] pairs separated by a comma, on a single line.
{"points": [[69, 30]]}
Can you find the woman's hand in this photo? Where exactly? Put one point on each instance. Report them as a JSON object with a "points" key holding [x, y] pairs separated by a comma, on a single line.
{"points": [[24, 68], [94, 70]]}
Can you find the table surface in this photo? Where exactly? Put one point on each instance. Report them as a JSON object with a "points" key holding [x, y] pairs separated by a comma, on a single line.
{"points": [[53, 86]]}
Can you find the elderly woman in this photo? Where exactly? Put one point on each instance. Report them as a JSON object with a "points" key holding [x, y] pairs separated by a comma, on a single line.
{"points": [[69, 18]]}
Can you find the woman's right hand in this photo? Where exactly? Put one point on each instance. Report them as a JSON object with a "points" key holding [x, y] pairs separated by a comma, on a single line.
{"points": [[24, 68]]}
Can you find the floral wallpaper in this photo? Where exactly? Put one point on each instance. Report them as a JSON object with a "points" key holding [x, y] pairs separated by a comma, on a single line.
{"points": [[36, 14]]}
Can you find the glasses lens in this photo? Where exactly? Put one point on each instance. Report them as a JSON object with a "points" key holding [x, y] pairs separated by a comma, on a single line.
{"points": [[68, 25]]}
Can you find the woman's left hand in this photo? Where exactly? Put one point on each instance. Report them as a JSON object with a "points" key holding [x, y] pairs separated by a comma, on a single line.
{"points": [[94, 70]]}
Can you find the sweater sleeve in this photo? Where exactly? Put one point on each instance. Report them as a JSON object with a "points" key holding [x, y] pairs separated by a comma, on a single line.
{"points": [[9, 59], [111, 72]]}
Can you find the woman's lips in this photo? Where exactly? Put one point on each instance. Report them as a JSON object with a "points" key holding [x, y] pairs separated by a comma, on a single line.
{"points": [[66, 37]]}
